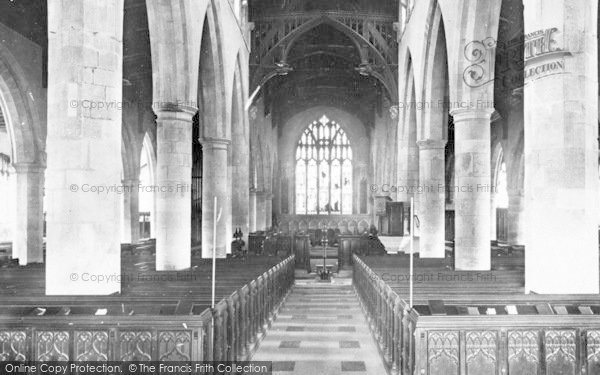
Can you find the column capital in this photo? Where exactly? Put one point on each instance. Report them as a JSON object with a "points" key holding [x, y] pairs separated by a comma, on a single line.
{"points": [[215, 142], [431, 144], [163, 109], [28, 168], [466, 114]]}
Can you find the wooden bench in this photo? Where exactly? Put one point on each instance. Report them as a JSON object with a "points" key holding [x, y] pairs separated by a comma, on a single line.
{"points": [[133, 328], [479, 332]]}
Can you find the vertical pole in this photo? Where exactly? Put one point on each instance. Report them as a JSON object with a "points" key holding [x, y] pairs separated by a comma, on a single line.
{"points": [[214, 252], [410, 272], [214, 269]]}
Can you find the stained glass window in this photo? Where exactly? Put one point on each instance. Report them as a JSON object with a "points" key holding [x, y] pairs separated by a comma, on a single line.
{"points": [[324, 169]]}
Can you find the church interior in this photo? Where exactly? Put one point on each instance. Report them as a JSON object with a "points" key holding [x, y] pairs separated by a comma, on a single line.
{"points": [[326, 186]]}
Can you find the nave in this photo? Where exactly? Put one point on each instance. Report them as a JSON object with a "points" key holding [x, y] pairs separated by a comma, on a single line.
{"points": [[321, 329]]}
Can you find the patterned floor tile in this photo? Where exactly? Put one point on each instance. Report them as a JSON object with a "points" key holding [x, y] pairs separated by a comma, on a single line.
{"points": [[349, 344], [283, 366], [353, 366], [289, 344]]}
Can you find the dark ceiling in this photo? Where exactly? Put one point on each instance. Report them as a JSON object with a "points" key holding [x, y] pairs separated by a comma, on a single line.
{"points": [[29, 18], [324, 62], [260, 8]]}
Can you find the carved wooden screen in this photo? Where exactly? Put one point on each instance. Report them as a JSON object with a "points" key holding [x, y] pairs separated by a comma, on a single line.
{"points": [[324, 170]]}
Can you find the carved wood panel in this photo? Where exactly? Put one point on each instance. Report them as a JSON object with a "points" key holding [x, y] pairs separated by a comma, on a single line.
{"points": [[442, 352], [482, 352], [175, 345], [52, 345], [523, 352], [560, 352], [134, 346], [593, 352], [13, 346], [91, 346]]}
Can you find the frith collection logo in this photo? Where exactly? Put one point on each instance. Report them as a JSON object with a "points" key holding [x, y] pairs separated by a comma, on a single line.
{"points": [[544, 54]]}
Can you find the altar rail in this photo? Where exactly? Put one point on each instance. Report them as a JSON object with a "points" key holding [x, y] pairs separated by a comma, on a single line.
{"points": [[560, 336], [230, 332]]}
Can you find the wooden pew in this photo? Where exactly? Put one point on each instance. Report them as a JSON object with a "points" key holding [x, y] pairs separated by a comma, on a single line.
{"points": [[145, 328], [481, 333]]}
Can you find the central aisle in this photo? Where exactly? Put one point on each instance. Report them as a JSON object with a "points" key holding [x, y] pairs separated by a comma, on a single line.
{"points": [[321, 329]]}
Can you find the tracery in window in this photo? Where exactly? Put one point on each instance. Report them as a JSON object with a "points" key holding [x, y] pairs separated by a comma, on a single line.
{"points": [[324, 169]]}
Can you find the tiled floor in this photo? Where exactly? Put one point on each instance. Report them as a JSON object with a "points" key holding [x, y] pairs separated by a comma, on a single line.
{"points": [[321, 330]]}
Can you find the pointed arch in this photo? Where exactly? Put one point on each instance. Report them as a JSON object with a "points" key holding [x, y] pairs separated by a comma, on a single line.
{"points": [[240, 149], [476, 43], [130, 150], [175, 28], [21, 117], [435, 88], [211, 81], [408, 132]]}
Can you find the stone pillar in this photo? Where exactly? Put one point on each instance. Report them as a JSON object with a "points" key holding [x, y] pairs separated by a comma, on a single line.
{"points": [[29, 218], [493, 216], [131, 212], [252, 210], [472, 152], [214, 184], [134, 197], [173, 181], [261, 211], [561, 148], [432, 199], [85, 60], [516, 212], [153, 221], [268, 210]]}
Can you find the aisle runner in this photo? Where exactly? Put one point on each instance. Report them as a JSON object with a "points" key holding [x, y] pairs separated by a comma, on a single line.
{"points": [[321, 330]]}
